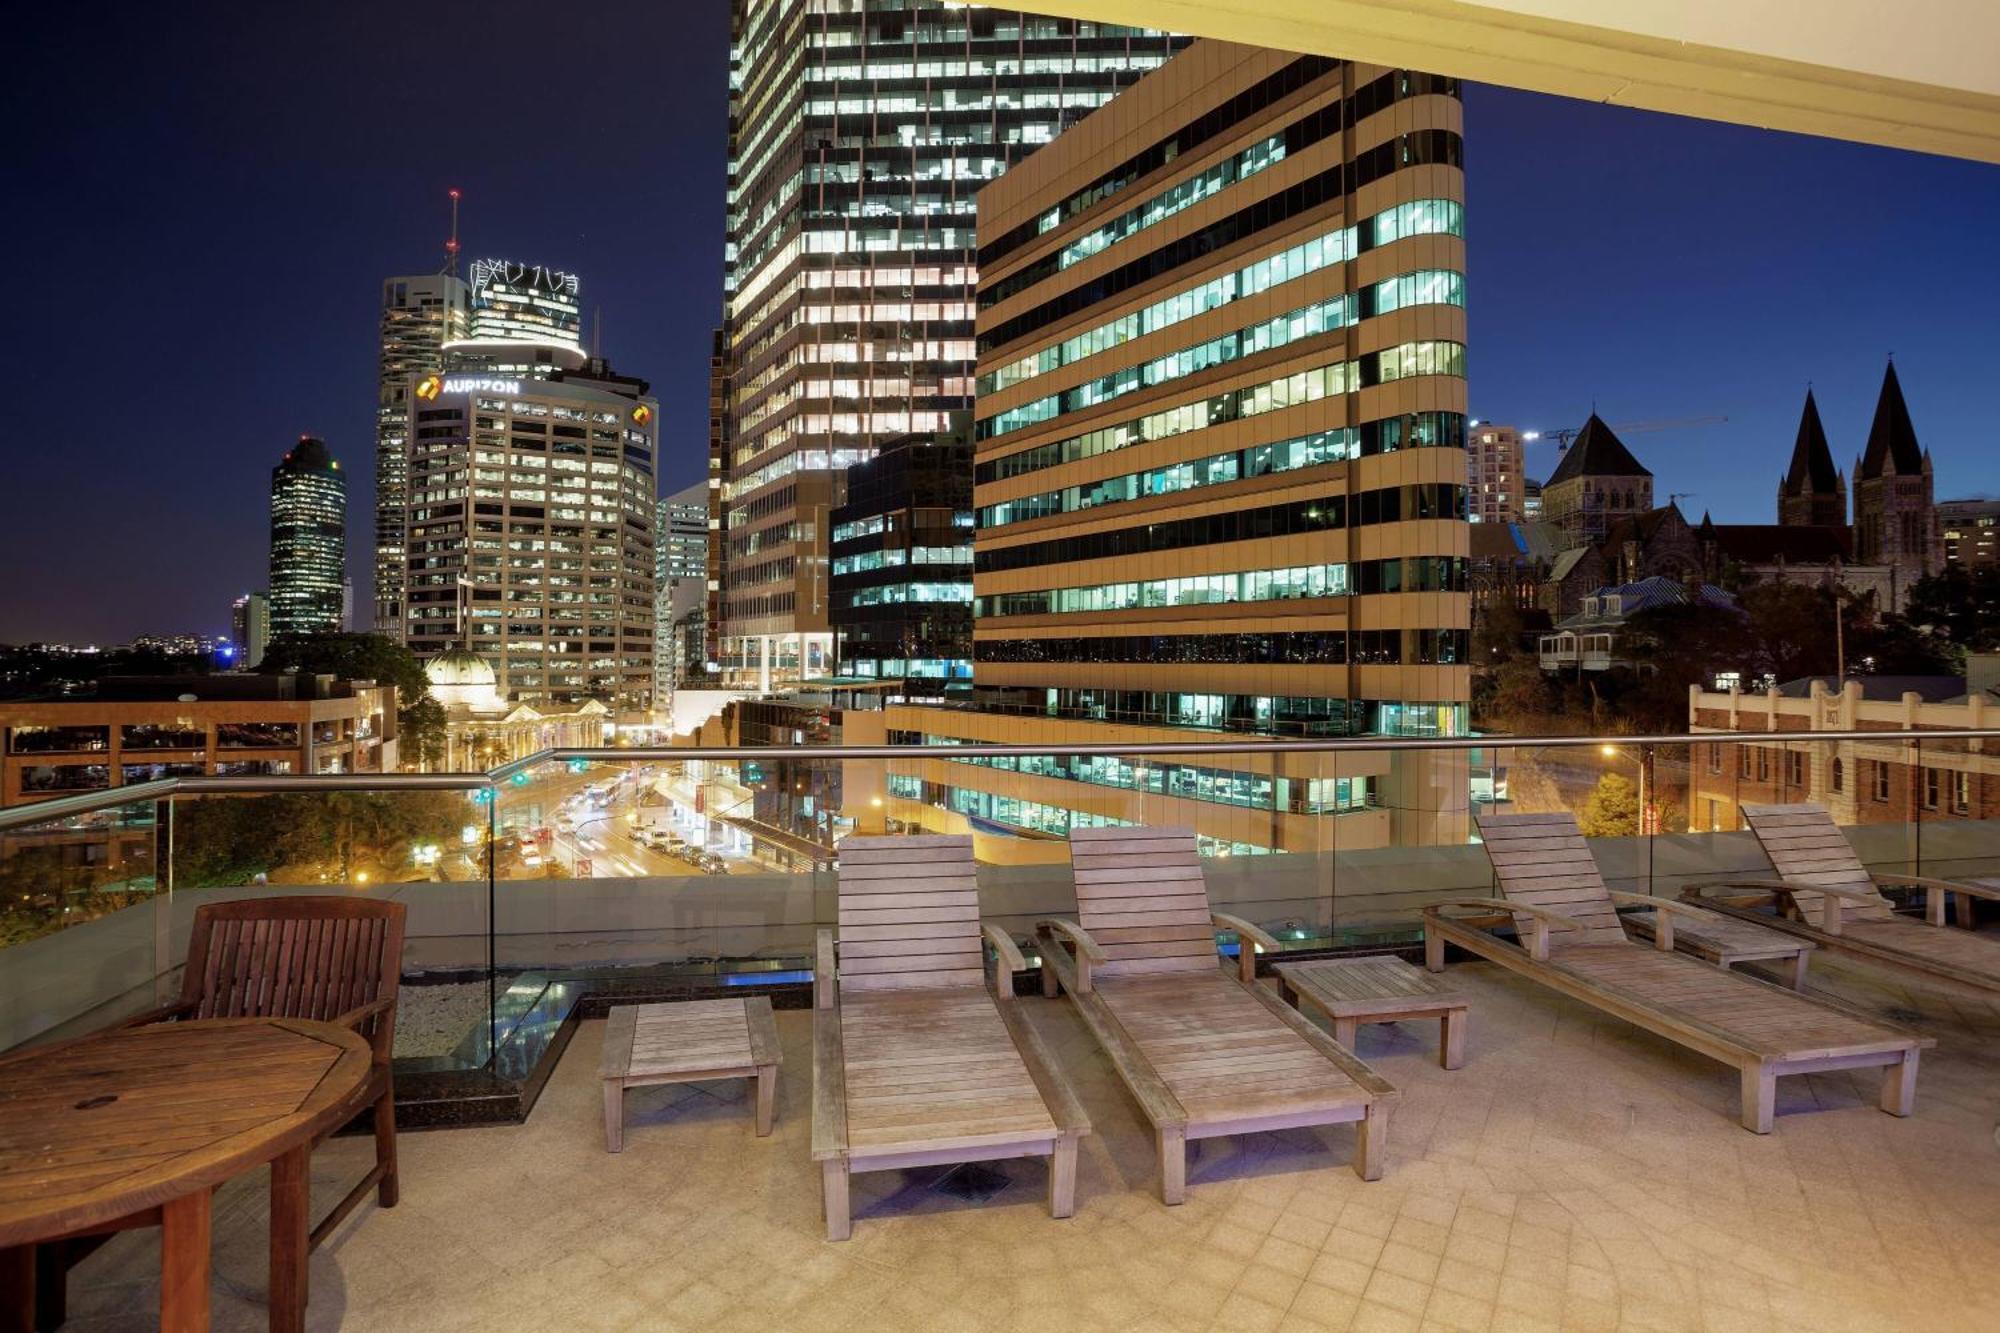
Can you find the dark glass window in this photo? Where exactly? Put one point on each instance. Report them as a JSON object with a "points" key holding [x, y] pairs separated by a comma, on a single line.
{"points": [[257, 735], [58, 740], [177, 735]]}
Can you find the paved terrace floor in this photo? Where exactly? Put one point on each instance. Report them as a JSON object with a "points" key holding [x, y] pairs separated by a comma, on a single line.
{"points": [[1576, 1173]]}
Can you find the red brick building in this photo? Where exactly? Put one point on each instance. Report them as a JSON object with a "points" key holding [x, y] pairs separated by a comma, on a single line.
{"points": [[1861, 782]]}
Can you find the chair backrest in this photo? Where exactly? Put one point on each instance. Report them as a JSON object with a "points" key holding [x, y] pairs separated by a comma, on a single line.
{"points": [[1807, 847], [1140, 894], [909, 913], [306, 957], [1542, 861]]}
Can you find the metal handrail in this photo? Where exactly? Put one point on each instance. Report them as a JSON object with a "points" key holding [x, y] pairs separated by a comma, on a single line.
{"points": [[166, 788]]}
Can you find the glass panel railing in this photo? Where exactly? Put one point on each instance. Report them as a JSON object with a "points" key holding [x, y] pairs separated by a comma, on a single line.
{"points": [[426, 849], [81, 921], [660, 873]]}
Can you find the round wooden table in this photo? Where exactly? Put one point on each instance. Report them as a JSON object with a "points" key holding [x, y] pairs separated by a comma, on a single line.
{"points": [[139, 1125]]}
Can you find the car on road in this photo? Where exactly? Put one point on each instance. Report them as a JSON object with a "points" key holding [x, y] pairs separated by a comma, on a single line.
{"points": [[713, 864], [565, 822], [663, 840], [531, 856]]}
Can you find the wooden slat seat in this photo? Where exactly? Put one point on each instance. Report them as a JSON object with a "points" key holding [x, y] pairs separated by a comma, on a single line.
{"points": [[1202, 1053], [915, 1062], [1822, 893], [925, 1069], [1219, 1052], [1762, 1030]]}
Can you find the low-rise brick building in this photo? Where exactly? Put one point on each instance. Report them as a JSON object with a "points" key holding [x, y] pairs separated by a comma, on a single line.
{"points": [[1860, 781], [138, 728]]}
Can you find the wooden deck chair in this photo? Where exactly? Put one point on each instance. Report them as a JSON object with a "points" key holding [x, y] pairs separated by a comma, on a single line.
{"points": [[1203, 1053], [1824, 894], [1570, 940], [914, 1062]]}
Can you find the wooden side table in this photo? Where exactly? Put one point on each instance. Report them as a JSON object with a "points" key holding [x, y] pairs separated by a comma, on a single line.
{"points": [[1353, 991], [1725, 941], [692, 1041]]}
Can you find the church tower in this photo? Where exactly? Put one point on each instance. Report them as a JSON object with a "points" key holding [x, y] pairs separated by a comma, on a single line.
{"points": [[1813, 493], [1895, 518], [1596, 483]]}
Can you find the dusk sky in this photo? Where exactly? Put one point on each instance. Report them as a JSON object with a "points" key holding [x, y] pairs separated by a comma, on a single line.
{"points": [[203, 200]]}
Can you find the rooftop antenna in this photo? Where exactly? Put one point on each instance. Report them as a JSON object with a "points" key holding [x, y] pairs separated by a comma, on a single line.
{"points": [[451, 245], [597, 334]]}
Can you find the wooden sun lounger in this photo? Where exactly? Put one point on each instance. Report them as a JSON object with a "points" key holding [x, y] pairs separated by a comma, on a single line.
{"points": [[1203, 1053], [915, 1063], [1572, 941], [1824, 894]]}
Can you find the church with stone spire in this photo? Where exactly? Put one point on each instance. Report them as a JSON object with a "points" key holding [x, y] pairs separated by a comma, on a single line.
{"points": [[1813, 493], [1895, 509], [1601, 529]]}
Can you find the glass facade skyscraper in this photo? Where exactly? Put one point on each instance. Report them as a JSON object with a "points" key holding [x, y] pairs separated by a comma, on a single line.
{"points": [[308, 540], [860, 134], [420, 314]]}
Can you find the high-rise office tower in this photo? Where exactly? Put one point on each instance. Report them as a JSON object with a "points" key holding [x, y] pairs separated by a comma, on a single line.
{"points": [[902, 566], [420, 315], [859, 135], [1495, 456], [1221, 465], [531, 530], [308, 540], [680, 582], [250, 626]]}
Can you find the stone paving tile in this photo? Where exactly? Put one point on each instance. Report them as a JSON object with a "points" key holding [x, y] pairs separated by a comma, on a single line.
{"points": [[1576, 1174]]}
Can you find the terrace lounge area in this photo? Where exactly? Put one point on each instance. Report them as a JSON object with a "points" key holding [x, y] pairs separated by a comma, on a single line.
{"points": [[1574, 1171]]}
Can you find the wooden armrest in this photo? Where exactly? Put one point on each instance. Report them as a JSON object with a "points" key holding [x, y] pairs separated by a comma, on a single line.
{"points": [[1540, 921], [1646, 900], [1936, 891], [1787, 887], [1379, 1089], [1249, 939], [829, 1117], [1553, 920], [159, 1014], [360, 1014], [1088, 951], [1064, 1107], [1668, 909], [1941, 885], [1076, 935], [1007, 959], [377, 1017], [1832, 896], [825, 984]]}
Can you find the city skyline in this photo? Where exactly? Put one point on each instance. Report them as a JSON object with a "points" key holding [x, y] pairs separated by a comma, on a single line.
{"points": [[1738, 333]]}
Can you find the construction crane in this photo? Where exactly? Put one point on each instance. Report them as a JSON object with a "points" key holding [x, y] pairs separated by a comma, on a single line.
{"points": [[1563, 438]]}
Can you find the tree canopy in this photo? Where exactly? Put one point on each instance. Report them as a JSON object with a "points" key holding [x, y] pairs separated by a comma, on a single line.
{"points": [[420, 719]]}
